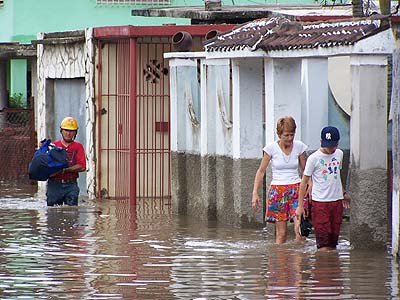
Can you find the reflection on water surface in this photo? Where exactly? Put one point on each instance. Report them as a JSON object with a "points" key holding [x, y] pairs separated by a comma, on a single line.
{"points": [[110, 250]]}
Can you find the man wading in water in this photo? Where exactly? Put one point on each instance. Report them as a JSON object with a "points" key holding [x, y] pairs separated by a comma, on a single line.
{"points": [[62, 187]]}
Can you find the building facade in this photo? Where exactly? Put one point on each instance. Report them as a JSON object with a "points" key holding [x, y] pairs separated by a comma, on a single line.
{"points": [[259, 72]]}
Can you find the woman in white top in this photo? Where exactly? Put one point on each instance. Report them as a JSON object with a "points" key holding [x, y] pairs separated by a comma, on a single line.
{"points": [[287, 158]]}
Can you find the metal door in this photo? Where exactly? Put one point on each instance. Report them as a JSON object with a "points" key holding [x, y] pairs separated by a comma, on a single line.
{"points": [[69, 99]]}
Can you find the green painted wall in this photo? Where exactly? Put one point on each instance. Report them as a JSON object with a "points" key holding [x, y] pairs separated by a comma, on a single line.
{"points": [[6, 16], [28, 17]]}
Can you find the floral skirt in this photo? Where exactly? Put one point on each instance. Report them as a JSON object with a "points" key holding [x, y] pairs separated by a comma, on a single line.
{"points": [[282, 201]]}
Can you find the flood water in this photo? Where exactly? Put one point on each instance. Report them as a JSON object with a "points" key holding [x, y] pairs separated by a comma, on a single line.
{"points": [[110, 250]]}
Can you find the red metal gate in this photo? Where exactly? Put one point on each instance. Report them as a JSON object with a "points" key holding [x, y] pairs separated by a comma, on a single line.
{"points": [[148, 118], [17, 142], [133, 109]]}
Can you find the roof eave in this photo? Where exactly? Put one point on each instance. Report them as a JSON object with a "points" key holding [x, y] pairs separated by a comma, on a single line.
{"points": [[382, 43]]}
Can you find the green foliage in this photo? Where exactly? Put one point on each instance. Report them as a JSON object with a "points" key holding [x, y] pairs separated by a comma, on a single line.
{"points": [[17, 118], [17, 101]]}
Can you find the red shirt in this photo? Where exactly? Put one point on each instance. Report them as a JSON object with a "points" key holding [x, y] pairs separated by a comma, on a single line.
{"points": [[75, 155]]}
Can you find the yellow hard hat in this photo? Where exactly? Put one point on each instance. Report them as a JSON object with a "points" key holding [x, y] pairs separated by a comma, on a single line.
{"points": [[69, 123]]}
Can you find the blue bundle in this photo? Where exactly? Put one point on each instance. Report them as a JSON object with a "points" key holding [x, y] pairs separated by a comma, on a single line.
{"points": [[47, 160]]}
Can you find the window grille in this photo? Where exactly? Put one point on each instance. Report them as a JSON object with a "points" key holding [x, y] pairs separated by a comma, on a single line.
{"points": [[133, 2]]}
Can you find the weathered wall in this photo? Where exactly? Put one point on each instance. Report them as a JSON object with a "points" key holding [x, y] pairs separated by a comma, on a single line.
{"points": [[213, 149], [395, 107], [368, 152], [224, 175], [193, 185], [208, 183], [242, 187], [214, 188], [368, 214], [178, 183]]}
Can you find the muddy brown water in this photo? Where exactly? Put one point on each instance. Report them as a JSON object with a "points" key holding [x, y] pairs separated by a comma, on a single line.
{"points": [[111, 250]]}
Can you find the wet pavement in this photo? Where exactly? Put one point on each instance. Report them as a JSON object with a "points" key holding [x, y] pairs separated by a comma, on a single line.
{"points": [[111, 250]]}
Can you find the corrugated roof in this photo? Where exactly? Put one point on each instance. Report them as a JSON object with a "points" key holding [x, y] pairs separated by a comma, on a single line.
{"points": [[280, 33]]}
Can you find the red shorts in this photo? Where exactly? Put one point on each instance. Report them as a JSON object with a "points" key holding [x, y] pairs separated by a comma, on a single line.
{"points": [[327, 218]]}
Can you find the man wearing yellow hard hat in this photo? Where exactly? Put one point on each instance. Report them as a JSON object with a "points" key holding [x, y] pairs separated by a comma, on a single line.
{"points": [[62, 187]]}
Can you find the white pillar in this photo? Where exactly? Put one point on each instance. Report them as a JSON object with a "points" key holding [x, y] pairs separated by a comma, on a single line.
{"points": [[215, 135], [368, 123], [247, 93], [282, 93], [247, 138], [395, 107], [185, 121], [368, 151], [223, 107], [174, 115], [183, 91], [315, 101]]}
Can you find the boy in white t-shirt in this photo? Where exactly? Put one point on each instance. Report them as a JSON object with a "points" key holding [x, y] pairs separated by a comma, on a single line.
{"points": [[328, 195]]}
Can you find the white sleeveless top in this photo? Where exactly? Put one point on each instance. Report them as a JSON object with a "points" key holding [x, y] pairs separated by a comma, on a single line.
{"points": [[285, 168]]}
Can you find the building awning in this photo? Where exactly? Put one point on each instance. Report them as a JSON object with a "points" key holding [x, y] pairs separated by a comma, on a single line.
{"points": [[17, 50], [64, 37]]}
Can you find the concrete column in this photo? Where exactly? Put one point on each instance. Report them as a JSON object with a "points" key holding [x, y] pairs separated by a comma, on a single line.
{"points": [[315, 101], [178, 166], [395, 107], [368, 151], [218, 113], [208, 111], [247, 138], [283, 93], [223, 133], [215, 108], [177, 107], [221, 75], [184, 95]]}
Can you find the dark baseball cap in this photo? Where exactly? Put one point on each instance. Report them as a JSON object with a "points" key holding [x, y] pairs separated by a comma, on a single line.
{"points": [[330, 136]]}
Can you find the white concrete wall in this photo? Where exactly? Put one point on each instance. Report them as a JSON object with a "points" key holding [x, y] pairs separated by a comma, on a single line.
{"points": [[185, 105], [177, 137], [216, 109], [63, 61], [368, 178], [282, 94], [314, 101], [368, 123], [247, 85], [395, 109]]}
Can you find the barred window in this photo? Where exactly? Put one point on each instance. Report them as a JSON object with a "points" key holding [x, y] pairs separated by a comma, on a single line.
{"points": [[153, 2]]}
